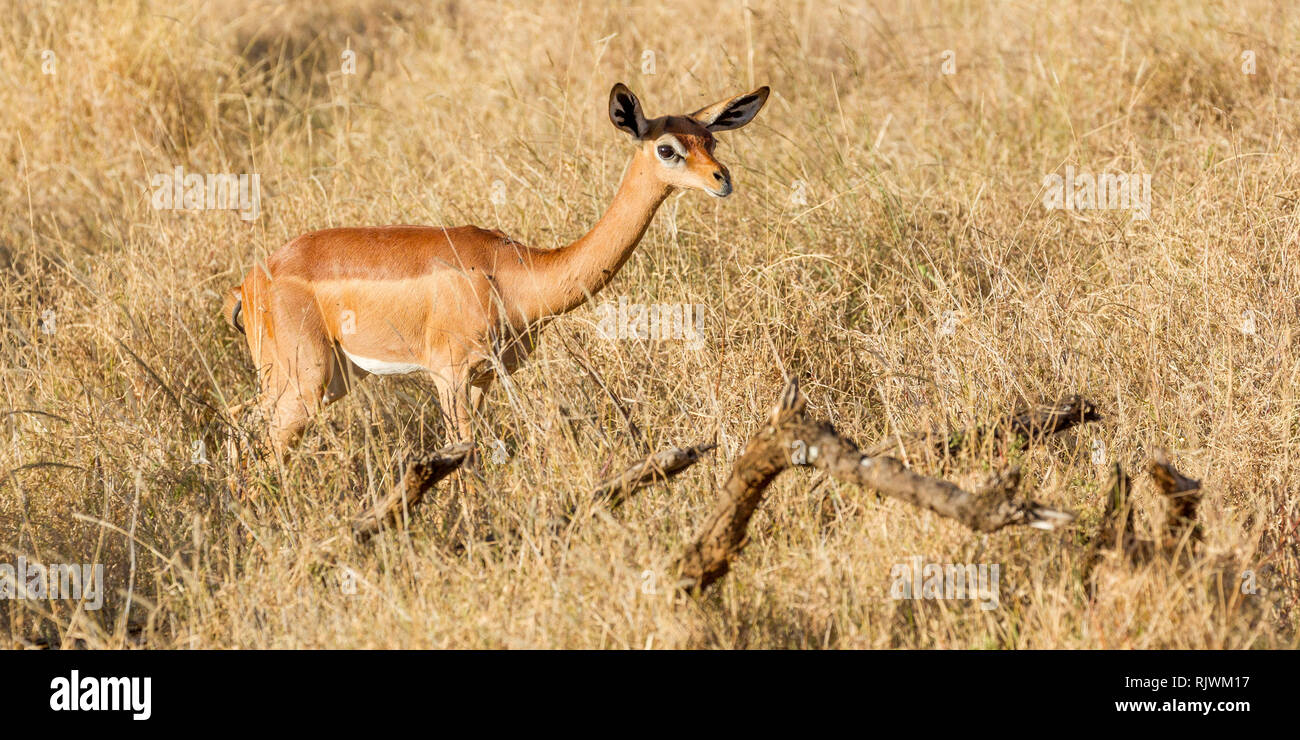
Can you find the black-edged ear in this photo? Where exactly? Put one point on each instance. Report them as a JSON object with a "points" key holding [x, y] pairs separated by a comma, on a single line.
{"points": [[725, 115], [625, 111]]}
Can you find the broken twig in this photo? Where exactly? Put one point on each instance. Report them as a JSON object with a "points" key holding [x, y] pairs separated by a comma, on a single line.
{"points": [[421, 475], [660, 466]]}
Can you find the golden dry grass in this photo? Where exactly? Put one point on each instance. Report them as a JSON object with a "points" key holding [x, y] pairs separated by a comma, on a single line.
{"points": [[922, 198]]}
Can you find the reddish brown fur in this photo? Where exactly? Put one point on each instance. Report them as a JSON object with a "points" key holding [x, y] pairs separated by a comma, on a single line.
{"points": [[463, 303]]}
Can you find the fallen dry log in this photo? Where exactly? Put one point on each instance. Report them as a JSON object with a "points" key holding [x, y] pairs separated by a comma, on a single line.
{"points": [[421, 475], [659, 467], [1037, 421], [792, 438], [1042, 421]]}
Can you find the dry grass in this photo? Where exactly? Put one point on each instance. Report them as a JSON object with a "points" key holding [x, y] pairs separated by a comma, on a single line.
{"points": [[923, 197]]}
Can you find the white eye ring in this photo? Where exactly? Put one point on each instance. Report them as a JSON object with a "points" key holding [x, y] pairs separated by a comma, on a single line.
{"points": [[667, 153]]}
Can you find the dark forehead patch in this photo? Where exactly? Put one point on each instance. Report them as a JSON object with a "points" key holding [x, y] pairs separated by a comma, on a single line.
{"points": [[692, 142], [686, 126], [689, 131]]}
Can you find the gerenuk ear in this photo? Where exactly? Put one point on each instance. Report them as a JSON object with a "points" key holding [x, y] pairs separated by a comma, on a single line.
{"points": [[625, 112], [734, 113]]}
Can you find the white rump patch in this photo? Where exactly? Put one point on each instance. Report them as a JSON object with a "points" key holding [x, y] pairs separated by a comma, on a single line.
{"points": [[382, 367]]}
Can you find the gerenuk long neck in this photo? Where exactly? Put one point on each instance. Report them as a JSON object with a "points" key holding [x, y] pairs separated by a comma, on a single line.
{"points": [[563, 279]]}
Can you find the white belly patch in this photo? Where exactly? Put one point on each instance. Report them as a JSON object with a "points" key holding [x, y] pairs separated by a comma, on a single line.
{"points": [[382, 367]]}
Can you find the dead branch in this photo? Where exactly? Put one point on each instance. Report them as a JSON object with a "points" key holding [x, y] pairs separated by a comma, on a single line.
{"points": [[1184, 496], [421, 475], [1042, 421], [660, 466], [792, 438], [1038, 421]]}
